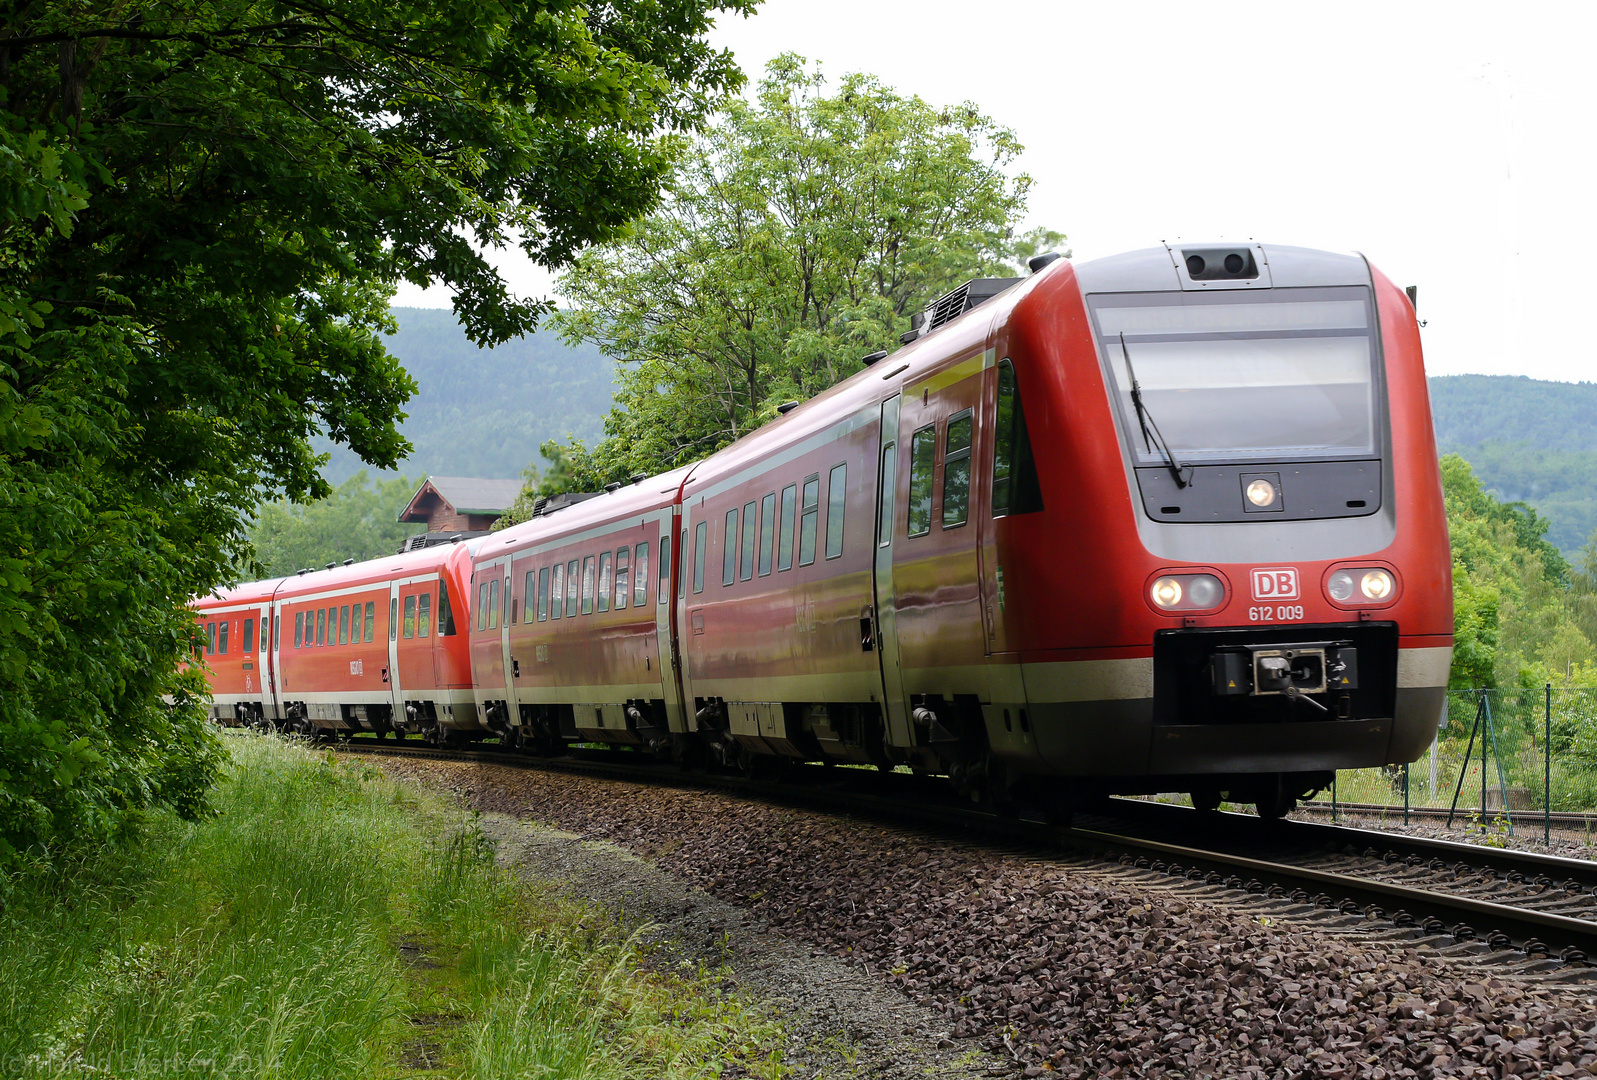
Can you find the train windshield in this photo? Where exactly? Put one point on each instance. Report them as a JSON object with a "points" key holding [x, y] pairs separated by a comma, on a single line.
{"points": [[1229, 376]]}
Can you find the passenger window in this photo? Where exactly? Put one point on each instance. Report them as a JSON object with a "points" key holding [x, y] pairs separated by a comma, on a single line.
{"points": [[889, 481], [604, 581], [424, 614], [836, 497], [321, 626], [543, 594], [530, 587], [698, 558], [249, 636], [210, 639], [223, 628], [343, 625], [482, 607], [446, 612], [956, 471], [640, 572], [571, 589], [750, 525], [807, 520], [1015, 486], [682, 567], [371, 620], [784, 531], [587, 585], [922, 464], [729, 548], [410, 617], [623, 576], [332, 626], [354, 623], [767, 531], [557, 589], [493, 603], [277, 624], [393, 620], [299, 629]]}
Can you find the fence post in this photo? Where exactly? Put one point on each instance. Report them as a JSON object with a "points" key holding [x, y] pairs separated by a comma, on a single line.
{"points": [[1405, 793], [1463, 770], [1333, 796], [1547, 771], [1502, 782]]}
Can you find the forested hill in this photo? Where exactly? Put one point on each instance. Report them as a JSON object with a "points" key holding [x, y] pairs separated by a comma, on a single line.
{"points": [[484, 412], [1527, 439]]}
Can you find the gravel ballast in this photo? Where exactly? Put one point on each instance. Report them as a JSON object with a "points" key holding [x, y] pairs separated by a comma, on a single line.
{"points": [[1055, 966]]}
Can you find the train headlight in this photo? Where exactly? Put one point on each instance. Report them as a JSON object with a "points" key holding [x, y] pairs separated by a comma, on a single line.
{"points": [[1186, 592], [1340, 586], [1356, 585], [1261, 493], [1376, 585]]}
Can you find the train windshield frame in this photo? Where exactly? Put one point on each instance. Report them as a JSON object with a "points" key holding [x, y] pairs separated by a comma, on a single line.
{"points": [[1283, 375]]}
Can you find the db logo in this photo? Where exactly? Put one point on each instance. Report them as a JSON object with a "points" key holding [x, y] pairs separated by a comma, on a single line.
{"points": [[1275, 583]]}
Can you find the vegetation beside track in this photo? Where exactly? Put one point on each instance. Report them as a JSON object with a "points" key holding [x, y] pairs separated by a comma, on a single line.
{"points": [[327, 921]]}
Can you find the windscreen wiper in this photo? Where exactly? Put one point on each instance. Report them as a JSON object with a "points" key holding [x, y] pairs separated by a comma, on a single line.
{"points": [[1183, 471]]}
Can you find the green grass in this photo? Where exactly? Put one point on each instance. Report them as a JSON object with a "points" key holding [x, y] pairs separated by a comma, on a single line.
{"points": [[327, 922]]}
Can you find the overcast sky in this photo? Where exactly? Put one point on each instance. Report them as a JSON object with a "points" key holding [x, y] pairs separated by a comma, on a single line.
{"points": [[1450, 143]]}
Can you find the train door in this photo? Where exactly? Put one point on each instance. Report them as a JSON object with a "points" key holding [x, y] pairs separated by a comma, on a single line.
{"points": [[886, 628], [664, 616], [511, 611], [274, 710], [263, 658], [391, 672]]}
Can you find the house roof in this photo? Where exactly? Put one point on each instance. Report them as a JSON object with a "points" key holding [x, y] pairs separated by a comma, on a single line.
{"points": [[466, 494]]}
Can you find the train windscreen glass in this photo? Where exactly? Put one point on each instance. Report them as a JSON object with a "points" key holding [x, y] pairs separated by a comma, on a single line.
{"points": [[1229, 376]]}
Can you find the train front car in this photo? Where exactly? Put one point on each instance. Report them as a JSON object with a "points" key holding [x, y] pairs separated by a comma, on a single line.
{"points": [[1225, 567]]}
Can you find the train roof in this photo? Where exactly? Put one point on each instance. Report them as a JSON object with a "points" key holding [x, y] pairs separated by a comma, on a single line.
{"points": [[643, 496]]}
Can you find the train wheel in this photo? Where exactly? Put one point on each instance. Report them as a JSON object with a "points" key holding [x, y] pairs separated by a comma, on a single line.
{"points": [[1206, 800], [1276, 800]]}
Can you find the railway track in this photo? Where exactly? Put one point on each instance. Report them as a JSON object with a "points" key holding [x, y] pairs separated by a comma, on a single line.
{"points": [[1523, 910], [1531, 821]]}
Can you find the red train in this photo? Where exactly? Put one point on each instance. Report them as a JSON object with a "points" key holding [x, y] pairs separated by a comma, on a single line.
{"points": [[1170, 520]]}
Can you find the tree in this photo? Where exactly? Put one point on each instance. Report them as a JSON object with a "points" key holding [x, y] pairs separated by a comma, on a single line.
{"points": [[357, 521], [204, 206], [797, 235]]}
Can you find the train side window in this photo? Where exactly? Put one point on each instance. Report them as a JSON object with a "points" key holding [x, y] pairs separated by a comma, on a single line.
{"points": [[767, 531], [371, 620], [393, 620], [321, 626], [784, 545], [299, 629], [956, 471], [543, 594], [698, 558], [1015, 486], [807, 519], [482, 606], [640, 571], [424, 614], [493, 603], [746, 560], [623, 576], [210, 639], [355, 623], [729, 548], [605, 583], [446, 612], [332, 626], [922, 464], [249, 636], [530, 587], [343, 625], [277, 626], [884, 509], [222, 629], [587, 584], [557, 590], [836, 499], [571, 589], [410, 617]]}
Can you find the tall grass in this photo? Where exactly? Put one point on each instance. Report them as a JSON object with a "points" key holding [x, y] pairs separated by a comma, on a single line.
{"points": [[266, 942]]}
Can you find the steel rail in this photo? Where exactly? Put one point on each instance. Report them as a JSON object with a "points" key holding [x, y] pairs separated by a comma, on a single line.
{"points": [[1523, 926]]}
